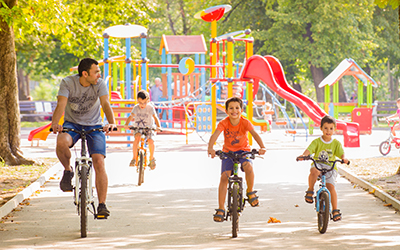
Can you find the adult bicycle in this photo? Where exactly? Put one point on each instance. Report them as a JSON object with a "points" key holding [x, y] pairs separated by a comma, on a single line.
{"points": [[83, 190], [323, 196], [236, 201], [142, 156]]}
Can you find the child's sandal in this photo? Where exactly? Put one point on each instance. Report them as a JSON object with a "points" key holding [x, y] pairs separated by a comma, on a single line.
{"points": [[219, 217], [336, 217], [253, 199], [309, 199]]}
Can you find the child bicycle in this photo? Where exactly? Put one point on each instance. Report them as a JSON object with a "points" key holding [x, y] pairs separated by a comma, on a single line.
{"points": [[236, 201], [386, 145], [323, 196], [83, 190], [142, 157]]}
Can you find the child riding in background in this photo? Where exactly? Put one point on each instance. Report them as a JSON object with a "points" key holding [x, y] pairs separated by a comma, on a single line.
{"points": [[395, 116], [325, 148], [235, 129], [144, 115]]}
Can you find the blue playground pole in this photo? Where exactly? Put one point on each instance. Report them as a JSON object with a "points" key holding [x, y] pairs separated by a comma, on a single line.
{"points": [[144, 60], [106, 36], [128, 75], [196, 62]]}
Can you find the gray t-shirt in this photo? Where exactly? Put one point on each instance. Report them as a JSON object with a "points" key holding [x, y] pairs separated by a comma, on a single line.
{"points": [[143, 117], [83, 106]]}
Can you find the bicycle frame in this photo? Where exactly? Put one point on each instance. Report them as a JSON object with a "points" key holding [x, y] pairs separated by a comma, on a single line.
{"points": [[142, 149], [79, 163], [235, 188], [322, 188], [235, 179], [392, 137], [143, 142]]}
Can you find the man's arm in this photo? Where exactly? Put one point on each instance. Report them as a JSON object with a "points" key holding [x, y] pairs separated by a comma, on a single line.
{"points": [[105, 104], [58, 113]]}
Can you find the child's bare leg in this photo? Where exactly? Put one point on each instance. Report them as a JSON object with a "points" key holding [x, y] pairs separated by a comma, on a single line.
{"points": [[312, 178], [248, 170], [135, 145], [334, 199], [150, 142], [222, 190]]}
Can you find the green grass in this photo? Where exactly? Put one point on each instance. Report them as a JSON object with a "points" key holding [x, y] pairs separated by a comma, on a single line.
{"points": [[33, 124]]}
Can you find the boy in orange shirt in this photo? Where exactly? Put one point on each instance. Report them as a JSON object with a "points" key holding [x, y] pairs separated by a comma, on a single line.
{"points": [[235, 129]]}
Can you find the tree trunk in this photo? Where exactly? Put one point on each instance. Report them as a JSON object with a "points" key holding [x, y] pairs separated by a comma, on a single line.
{"points": [[342, 93], [318, 76], [23, 85], [9, 107]]}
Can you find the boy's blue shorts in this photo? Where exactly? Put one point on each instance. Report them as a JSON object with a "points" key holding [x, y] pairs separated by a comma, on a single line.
{"points": [[227, 164], [96, 141]]}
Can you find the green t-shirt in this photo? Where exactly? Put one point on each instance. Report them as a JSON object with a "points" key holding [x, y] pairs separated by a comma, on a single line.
{"points": [[323, 150]]}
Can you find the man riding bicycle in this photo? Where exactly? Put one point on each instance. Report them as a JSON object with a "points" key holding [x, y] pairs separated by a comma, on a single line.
{"points": [[80, 97]]}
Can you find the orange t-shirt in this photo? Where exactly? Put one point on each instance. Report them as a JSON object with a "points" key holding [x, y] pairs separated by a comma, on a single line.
{"points": [[235, 137]]}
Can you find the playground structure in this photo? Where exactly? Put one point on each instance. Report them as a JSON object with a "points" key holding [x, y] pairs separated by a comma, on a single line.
{"points": [[360, 110], [192, 101]]}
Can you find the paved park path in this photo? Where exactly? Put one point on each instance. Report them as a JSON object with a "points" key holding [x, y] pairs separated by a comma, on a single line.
{"points": [[173, 208]]}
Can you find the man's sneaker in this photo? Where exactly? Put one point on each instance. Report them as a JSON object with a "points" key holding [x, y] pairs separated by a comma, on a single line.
{"points": [[102, 211], [65, 183]]}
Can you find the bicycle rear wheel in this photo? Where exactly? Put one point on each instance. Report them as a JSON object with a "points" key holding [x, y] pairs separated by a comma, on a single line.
{"points": [[83, 200], [323, 213], [384, 147], [235, 208], [141, 169]]}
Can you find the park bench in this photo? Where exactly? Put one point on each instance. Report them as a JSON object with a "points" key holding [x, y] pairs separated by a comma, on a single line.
{"points": [[36, 108], [383, 109]]}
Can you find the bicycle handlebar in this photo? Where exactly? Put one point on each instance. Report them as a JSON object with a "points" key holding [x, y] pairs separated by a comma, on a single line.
{"points": [[83, 131], [235, 156], [144, 129], [307, 157]]}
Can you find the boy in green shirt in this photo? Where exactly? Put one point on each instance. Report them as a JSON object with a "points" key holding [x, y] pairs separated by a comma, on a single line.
{"points": [[325, 148]]}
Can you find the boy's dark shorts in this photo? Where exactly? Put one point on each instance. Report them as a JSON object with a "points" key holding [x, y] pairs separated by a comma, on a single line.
{"points": [[227, 164]]}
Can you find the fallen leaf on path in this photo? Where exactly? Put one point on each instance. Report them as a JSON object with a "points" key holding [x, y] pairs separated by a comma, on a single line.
{"points": [[273, 220]]}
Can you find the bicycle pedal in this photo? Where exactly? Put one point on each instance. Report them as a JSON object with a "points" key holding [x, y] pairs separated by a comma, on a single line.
{"points": [[101, 217]]}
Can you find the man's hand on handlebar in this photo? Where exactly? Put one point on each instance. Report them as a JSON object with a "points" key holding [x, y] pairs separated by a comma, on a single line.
{"points": [[109, 127], [57, 128]]}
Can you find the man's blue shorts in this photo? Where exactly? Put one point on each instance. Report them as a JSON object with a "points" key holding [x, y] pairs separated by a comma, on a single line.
{"points": [[96, 141], [227, 164]]}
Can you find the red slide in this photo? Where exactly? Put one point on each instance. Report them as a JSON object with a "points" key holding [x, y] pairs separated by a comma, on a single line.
{"points": [[270, 71]]}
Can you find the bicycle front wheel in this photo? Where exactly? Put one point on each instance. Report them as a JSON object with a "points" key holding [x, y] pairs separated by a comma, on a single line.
{"points": [[323, 213], [141, 168], [83, 200], [235, 210], [384, 147]]}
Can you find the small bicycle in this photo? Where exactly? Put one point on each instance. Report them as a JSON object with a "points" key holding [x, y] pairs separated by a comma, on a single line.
{"points": [[236, 201], [323, 196], [83, 190], [142, 157], [386, 145]]}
